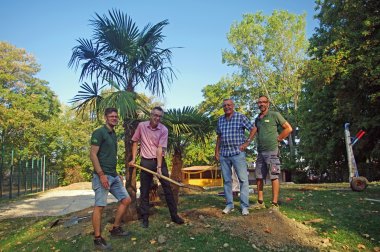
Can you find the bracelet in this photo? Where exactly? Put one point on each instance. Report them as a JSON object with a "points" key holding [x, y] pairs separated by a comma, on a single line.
{"points": [[158, 167], [101, 173]]}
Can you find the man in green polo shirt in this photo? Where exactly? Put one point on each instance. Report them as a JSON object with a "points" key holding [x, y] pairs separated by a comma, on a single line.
{"points": [[103, 155], [268, 139]]}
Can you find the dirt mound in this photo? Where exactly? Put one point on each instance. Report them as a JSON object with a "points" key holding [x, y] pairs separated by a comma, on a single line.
{"points": [[263, 229]]}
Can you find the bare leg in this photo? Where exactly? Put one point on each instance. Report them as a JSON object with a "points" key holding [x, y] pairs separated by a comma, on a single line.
{"points": [[96, 220], [260, 192], [121, 210], [275, 190]]}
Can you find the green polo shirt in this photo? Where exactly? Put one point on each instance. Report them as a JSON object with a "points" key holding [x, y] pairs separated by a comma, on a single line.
{"points": [[106, 139], [267, 131]]}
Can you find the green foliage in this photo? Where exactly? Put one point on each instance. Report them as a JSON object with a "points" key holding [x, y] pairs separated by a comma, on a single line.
{"points": [[121, 56], [33, 124], [342, 85], [269, 52], [187, 126], [197, 153]]}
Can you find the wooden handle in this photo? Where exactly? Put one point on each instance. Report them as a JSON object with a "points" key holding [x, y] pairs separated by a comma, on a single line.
{"points": [[158, 175], [193, 187]]}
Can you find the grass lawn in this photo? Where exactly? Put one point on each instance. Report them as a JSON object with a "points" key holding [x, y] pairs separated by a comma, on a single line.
{"points": [[343, 220]]}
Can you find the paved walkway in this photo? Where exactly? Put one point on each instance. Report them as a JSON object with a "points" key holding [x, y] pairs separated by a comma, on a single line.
{"points": [[56, 202]]}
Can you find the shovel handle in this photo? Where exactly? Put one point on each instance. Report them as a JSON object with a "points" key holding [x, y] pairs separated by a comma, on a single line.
{"points": [[158, 175]]}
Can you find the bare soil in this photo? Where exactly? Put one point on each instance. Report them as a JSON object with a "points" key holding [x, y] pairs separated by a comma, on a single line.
{"points": [[265, 230]]}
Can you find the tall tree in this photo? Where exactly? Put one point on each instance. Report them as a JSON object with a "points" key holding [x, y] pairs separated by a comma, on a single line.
{"points": [[122, 57], [342, 85], [270, 52], [26, 102]]}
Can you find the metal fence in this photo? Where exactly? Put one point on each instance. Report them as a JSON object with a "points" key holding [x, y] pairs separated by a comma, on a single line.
{"points": [[23, 176]]}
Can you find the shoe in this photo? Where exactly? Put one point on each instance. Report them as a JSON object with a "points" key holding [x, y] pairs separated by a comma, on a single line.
{"points": [[228, 209], [258, 206], [177, 220], [144, 223], [119, 232], [101, 244], [245, 211], [275, 207]]}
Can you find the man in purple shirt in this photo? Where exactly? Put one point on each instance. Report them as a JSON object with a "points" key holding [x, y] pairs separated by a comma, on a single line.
{"points": [[153, 138]]}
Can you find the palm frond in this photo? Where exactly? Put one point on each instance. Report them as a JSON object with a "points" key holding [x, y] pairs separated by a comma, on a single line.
{"points": [[124, 101], [88, 99], [189, 121], [92, 57]]}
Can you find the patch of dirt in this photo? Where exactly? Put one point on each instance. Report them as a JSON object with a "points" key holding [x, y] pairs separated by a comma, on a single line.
{"points": [[263, 229], [75, 186]]}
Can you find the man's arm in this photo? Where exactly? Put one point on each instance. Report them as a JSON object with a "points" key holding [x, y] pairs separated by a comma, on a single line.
{"points": [[159, 159], [217, 148], [98, 169], [287, 129], [134, 153], [249, 140]]}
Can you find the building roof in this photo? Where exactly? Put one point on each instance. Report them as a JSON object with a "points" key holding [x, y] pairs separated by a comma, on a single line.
{"points": [[201, 168]]}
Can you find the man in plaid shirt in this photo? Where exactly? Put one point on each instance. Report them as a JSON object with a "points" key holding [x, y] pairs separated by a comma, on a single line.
{"points": [[229, 150]]}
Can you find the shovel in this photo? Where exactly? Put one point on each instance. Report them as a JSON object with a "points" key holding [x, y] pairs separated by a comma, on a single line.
{"points": [[73, 221], [192, 187]]}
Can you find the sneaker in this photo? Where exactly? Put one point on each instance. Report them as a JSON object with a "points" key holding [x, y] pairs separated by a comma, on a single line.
{"points": [[228, 209], [258, 206], [119, 232], [275, 207], [245, 211], [101, 244], [177, 220]]}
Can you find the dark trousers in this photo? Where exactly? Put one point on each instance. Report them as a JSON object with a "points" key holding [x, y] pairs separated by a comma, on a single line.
{"points": [[146, 182]]}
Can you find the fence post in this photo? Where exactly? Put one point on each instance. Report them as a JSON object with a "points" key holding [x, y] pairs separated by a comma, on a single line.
{"points": [[1, 169], [19, 177], [26, 175], [11, 177], [31, 176], [43, 174]]}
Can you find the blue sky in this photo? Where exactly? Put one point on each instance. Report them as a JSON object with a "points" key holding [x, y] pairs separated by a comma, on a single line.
{"points": [[49, 29]]}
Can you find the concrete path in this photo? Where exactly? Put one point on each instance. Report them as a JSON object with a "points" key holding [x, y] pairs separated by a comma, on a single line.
{"points": [[54, 202]]}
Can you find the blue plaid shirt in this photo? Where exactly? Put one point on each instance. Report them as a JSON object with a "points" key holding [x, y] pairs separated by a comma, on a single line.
{"points": [[231, 133]]}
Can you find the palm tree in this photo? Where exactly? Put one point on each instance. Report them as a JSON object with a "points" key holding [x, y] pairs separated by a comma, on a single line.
{"points": [[122, 57], [185, 125]]}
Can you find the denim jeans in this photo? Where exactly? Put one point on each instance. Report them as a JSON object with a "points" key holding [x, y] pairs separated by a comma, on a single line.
{"points": [[117, 189], [238, 163]]}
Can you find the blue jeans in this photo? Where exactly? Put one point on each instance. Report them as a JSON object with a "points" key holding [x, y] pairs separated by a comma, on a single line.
{"points": [[238, 163]]}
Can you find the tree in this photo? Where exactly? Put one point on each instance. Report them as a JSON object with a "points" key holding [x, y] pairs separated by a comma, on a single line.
{"points": [[122, 57], [270, 52], [27, 104], [185, 126], [342, 85]]}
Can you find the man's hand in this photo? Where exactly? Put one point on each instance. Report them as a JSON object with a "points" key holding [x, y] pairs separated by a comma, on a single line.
{"points": [[243, 146], [132, 163], [104, 180], [217, 156], [159, 171]]}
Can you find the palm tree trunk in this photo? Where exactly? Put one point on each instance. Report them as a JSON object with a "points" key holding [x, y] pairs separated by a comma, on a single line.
{"points": [[130, 172], [176, 173]]}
